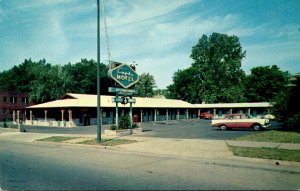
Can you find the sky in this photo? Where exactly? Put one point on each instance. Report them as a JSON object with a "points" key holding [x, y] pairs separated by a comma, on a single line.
{"points": [[157, 35]]}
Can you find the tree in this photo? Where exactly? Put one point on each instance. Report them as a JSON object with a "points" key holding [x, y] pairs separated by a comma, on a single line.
{"points": [[215, 76], [264, 83], [287, 104], [145, 85], [84, 75], [51, 83], [183, 87], [19, 78]]}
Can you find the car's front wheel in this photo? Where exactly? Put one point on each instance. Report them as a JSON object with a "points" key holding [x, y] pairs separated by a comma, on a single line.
{"points": [[223, 127], [257, 127]]}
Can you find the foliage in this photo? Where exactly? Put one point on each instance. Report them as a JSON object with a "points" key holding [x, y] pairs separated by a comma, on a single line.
{"points": [[108, 142], [45, 82], [134, 125], [264, 83], [113, 127], [272, 136], [145, 85], [267, 153], [215, 76], [57, 139], [125, 122], [50, 84], [287, 105]]}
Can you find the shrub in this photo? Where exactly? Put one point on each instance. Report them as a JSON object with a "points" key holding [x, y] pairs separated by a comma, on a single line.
{"points": [[125, 122], [134, 126], [113, 127]]}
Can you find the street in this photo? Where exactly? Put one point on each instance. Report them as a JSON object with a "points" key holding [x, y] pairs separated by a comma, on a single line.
{"points": [[43, 166]]}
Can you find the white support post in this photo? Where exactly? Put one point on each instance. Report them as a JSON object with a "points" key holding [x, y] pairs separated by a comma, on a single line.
{"points": [[187, 113], [18, 116], [62, 117], [30, 118], [70, 118], [46, 111], [155, 110], [167, 114], [14, 116]]}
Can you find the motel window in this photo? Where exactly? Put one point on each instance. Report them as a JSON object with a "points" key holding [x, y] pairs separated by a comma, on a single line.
{"points": [[4, 99], [24, 100]]}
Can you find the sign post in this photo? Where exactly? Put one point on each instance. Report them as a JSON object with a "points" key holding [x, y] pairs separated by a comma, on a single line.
{"points": [[126, 77]]}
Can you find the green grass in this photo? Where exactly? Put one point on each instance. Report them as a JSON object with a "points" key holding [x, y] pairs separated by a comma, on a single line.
{"points": [[108, 142], [272, 136], [267, 153], [57, 139]]}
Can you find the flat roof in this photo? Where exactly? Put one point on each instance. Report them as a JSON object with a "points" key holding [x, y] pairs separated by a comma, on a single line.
{"points": [[71, 100]]}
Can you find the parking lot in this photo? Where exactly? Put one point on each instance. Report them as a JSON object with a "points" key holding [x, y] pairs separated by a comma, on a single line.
{"points": [[190, 129], [182, 129]]}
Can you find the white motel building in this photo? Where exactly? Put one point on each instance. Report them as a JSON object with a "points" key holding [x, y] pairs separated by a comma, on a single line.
{"points": [[73, 110]]}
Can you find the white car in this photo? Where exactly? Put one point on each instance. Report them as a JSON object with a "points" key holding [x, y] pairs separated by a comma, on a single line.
{"points": [[240, 121]]}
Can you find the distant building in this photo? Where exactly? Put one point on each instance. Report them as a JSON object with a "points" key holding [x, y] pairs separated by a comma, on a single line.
{"points": [[12, 103]]}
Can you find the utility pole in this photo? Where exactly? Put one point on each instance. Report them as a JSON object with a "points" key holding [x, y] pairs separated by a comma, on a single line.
{"points": [[98, 75]]}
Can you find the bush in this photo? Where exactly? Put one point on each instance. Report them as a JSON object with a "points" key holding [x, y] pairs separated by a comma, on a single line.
{"points": [[113, 127], [125, 122], [134, 126]]}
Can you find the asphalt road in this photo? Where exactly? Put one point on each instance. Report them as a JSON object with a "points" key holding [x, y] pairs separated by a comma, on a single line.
{"points": [[182, 129], [30, 166]]}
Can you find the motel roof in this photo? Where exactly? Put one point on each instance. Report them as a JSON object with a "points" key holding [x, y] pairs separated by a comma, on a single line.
{"points": [[71, 100], [85, 100]]}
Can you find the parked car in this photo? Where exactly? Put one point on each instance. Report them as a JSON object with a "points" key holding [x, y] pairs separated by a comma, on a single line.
{"points": [[240, 121], [269, 116], [205, 115]]}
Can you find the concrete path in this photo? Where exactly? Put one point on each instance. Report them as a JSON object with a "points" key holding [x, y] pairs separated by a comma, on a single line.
{"points": [[180, 147]]}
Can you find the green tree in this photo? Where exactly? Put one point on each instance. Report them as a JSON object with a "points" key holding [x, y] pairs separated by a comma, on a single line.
{"points": [[51, 83], [84, 76], [183, 87], [264, 83], [215, 76], [145, 85], [287, 104], [19, 78]]}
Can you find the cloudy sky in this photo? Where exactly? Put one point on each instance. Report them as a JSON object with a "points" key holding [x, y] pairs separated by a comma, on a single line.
{"points": [[158, 35]]}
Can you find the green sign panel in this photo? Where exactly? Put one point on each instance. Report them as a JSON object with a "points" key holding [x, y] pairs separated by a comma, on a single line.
{"points": [[124, 75]]}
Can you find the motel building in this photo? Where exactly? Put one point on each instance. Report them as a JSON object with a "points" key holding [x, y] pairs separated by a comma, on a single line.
{"points": [[73, 110]]}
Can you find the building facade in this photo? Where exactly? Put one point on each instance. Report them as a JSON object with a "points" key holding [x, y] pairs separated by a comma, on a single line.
{"points": [[12, 103], [81, 110]]}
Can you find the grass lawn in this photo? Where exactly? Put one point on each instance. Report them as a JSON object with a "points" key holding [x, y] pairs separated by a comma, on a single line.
{"points": [[57, 139], [269, 153], [108, 142], [272, 136]]}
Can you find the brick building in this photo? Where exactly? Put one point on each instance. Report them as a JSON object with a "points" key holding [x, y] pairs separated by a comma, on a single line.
{"points": [[11, 103]]}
